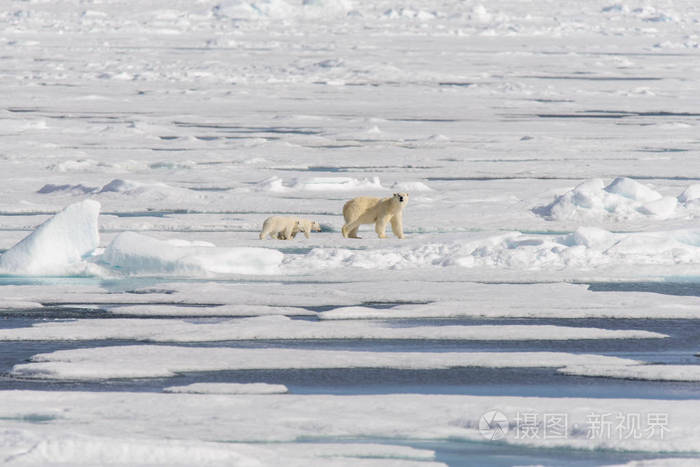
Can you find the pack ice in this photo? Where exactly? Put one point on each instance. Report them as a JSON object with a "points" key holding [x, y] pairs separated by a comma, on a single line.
{"points": [[57, 246]]}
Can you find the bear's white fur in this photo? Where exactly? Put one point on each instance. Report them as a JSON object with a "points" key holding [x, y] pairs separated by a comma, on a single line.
{"points": [[303, 225], [286, 228], [377, 211]]}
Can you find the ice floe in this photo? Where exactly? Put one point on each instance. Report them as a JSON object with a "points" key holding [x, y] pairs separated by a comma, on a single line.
{"points": [[280, 327], [59, 245], [153, 361], [643, 372], [134, 253], [665, 425], [229, 388], [76, 447]]}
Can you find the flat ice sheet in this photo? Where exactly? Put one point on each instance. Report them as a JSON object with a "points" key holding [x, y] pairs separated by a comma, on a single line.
{"points": [[643, 372], [280, 327], [228, 388], [142, 419], [143, 361]]}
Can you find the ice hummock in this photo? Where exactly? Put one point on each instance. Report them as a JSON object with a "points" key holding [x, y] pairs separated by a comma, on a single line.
{"points": [[57, 246], [622, 199]]}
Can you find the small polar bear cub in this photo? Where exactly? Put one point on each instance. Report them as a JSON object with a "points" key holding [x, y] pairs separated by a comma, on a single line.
{"points": [[286, 228], [377, 211]]}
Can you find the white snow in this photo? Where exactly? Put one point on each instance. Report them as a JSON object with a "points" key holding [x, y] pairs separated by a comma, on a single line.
{"points": [[320, 184], [621, 199], [143, 361], [632, 190], [134, 253], [228, 388], [228, 423], [586, 248], [26, 447], [281, 327], [410, 187], [643, 372], [59, 245]]}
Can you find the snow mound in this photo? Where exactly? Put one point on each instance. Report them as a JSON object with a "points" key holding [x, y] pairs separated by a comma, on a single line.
{"points": [[622, 199], [277, 185], [151, 191], [229, 388], [134, 253], [129, 187], [57, 246]]}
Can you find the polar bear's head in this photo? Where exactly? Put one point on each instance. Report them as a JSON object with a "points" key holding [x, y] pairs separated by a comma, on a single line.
{"points": [[306, 225], [402, 198]]}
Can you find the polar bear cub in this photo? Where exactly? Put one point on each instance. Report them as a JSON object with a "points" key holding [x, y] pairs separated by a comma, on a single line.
{"points": [[377, 211], [286, 228]]}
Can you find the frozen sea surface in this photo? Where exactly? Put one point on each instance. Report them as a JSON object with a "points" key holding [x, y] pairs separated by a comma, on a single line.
{"points": [[550, 266]]}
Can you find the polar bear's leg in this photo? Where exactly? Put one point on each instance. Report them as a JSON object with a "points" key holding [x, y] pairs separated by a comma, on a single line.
{"points": [[380, 226], [397, 224], [265, 232], [288, 232], [350, 229]]}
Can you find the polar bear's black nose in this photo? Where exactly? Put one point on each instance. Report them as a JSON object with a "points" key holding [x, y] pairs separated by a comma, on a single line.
{"points": [[400, 199]]}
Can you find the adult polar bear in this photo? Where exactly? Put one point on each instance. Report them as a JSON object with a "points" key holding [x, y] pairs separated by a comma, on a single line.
{"points": [[377, 211]]}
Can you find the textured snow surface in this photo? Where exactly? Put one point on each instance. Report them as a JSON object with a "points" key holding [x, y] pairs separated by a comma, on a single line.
{"points": [[623, 198]]}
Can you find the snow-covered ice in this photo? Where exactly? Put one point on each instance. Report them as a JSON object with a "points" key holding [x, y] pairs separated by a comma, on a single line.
{"points": [[164, 361], [281, 327], [131, 252], [229, 388], [229, 422], [59, 245], [648, 372]]}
